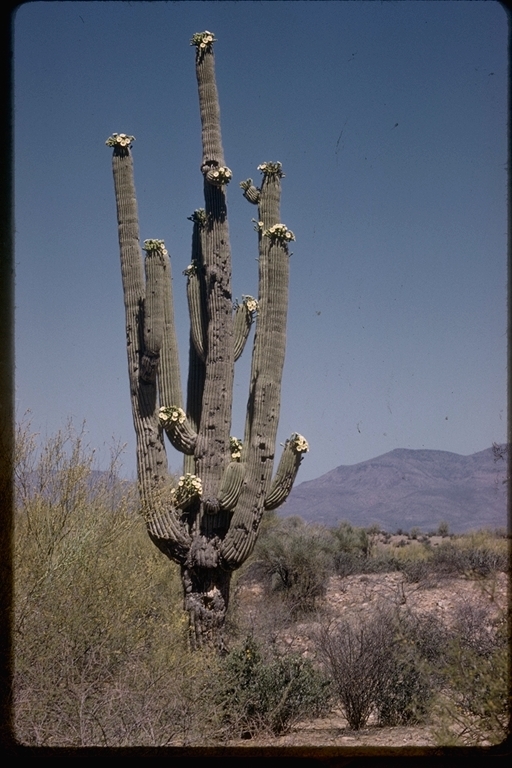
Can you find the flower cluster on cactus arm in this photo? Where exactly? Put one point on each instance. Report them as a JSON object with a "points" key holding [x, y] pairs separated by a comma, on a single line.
{"points": [[220, 175], [251, 303], [154, 245], [235, 446], [258, 225], [119, 140], [246, 184], [203, 40], [299, 443], [170, 415], [199, 216], [271, 169], [191, 269], [279, 232], [189, 486]]}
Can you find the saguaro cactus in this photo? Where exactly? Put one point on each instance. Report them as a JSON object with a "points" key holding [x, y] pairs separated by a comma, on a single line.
{"points": [[209, 522]]}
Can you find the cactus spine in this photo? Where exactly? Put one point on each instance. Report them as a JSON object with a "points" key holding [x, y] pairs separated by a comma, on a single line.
{"points": [[209, 523]]}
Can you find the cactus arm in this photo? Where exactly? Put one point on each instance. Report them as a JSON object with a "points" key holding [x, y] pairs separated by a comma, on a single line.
{"points": [[151, 460], [178, 429], [287, 470], [242, 326], [213, 155], [243, 320], [195, 387], [196, 311], [196, 289], [231, 485], [156, 320], [153, 309], [250, 192], [169, 378], [266, 372], [196, 366], [212, 448], [161, 522]]}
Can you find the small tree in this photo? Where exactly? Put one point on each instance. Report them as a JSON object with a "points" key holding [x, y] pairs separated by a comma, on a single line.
{"points": [[209, 522]]}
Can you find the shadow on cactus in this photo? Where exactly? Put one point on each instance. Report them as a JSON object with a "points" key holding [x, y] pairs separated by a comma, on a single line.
{"points": [[209, 523]]}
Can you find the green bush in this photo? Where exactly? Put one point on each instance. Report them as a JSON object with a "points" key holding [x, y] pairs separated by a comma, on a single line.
{"points": [[100, 655], [471, 555], [351, 549], [407, 686], [267, 694], [382, 561], [405, 694], [296, 560], [475, 706]]}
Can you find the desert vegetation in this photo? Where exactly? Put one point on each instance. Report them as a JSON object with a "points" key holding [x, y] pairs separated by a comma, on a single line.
{"points": [[380, 631]]}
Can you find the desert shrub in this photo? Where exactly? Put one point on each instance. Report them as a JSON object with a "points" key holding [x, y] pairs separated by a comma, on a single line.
{"points": [[382, 561], [295, 560], [416, 571], [354, 659], [476, 629], [447, 560], [475, 707], [375, 667], [351, 539], [414, 561], [404, 696], [429, 637], [267, 693], [100, 654], [477, 554], [351, 549], [406, 686], [483, 553]]}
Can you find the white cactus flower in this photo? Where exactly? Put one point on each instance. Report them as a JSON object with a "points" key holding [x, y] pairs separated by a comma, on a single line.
{"points": [[235, 446], [172, 414], [299, 443]]}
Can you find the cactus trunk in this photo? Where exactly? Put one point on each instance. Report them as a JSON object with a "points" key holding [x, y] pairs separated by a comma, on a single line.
{"points": [[208, 522]]}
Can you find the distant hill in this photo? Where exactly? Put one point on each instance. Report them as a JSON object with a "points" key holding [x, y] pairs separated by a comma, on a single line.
{"points": [[408, 488]]}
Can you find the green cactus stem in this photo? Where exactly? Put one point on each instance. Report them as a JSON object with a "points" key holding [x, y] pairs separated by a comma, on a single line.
{"points": [[153, 307], [266, 374], [196, 362], [251, 193], [231, 485], [215, 423], [151, 459], [291, 458], [208, 521], [197, 309], [178, 429]]}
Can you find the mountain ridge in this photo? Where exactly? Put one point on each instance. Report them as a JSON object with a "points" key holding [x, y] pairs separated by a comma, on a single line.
{"points": [[406, 488]]}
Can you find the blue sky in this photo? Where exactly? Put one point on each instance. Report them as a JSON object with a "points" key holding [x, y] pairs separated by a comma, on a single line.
{"points": [[390, 122]]}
